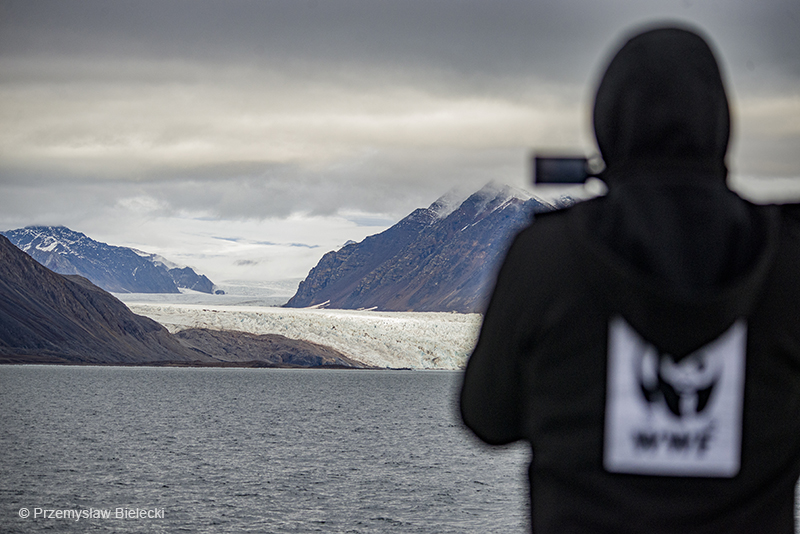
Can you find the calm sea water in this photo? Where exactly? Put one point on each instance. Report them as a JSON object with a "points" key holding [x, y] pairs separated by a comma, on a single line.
{"points": [[247, 450]]}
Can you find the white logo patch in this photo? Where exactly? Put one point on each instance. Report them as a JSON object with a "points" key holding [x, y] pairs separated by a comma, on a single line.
{"points": [[673, 418]]}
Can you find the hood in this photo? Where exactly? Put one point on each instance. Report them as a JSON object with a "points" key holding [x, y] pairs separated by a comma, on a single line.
{"points": [[673, 247], [662, 124], [662, 101]]}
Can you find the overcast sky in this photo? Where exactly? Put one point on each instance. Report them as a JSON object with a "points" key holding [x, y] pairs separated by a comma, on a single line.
{"points": [[249, 138]]}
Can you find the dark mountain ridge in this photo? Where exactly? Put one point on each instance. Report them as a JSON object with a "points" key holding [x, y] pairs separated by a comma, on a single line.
{"points": [[436, 259], [115, 269]]}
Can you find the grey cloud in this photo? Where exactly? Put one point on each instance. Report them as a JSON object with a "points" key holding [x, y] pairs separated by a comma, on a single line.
{"points": [[473, 40], [246, 262], [386, 185], [454, 32], [257, 109], [180, 117], [391, 183]]}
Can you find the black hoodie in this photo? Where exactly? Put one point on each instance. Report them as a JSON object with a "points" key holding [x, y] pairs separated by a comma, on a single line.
{"points": [[662, 123], [647, 344]]}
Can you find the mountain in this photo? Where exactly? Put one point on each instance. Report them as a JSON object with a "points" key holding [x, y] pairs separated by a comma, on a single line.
{"points": [[116, 269], [50, 317], [440, 258], [185, 277]]}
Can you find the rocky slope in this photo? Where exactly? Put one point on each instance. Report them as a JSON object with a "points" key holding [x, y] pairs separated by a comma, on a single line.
{"points": [[440, 258], [269, 348], [68, 318]]}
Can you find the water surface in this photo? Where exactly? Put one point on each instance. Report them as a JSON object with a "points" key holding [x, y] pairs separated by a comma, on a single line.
{"points": [[249, 450]]}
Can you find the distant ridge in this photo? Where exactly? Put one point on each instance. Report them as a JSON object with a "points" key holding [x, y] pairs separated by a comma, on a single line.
{"points": [[115, 269], [440, 258]]}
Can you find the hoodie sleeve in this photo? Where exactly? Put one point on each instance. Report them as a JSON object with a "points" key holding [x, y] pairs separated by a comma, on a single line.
{"points": [[490, 395]]}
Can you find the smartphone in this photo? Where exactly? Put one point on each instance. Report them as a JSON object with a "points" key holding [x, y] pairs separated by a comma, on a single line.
{"points": [[560, 170]]}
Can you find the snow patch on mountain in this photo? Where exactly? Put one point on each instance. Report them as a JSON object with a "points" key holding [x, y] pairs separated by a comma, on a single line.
{"points": [[48, 245], [158, 260], [448, 203]]}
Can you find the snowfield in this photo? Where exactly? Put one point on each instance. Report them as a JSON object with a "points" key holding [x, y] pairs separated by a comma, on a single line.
{"points": [[383, 339]]}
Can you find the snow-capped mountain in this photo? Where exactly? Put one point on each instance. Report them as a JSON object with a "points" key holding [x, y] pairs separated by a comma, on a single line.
{"points": [[440, 258], [115, 269]]}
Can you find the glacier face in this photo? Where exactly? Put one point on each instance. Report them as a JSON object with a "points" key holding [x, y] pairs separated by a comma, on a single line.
{"points": [[426, 340]]}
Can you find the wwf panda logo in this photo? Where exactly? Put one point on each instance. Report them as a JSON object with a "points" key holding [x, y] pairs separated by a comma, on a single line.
{"points": [[674, 416], [684, 385]]}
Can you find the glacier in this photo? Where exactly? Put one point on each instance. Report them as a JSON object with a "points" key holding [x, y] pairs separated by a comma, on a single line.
{"points": [[397, 340]]}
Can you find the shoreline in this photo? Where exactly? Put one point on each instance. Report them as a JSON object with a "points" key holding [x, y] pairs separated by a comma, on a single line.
{"points": [[251, 364]]}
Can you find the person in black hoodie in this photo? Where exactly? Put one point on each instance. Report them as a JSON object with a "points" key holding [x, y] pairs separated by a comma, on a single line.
{"points": [[647, 343]]}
